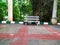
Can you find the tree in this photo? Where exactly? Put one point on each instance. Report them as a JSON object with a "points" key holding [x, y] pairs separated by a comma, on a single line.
{"points": [[16, 11], [42, 8], [3, 10], [21, 7], [25, 7], [58, 10]]}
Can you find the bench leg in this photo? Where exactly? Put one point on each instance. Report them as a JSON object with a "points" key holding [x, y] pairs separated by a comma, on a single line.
{"points": [[37, 23], [25, 23]]}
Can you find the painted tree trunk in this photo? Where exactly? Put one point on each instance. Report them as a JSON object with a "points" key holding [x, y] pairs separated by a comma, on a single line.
{"points": [[54, 17], [10, 10], [54, 9]]}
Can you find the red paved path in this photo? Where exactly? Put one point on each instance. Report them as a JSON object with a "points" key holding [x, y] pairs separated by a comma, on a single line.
{"points": [[23, 36]]}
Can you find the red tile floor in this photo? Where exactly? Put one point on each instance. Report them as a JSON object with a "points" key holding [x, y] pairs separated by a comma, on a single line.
{"points": [[29, 34]]}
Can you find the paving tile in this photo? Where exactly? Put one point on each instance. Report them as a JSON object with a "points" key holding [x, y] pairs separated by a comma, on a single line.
{"points": [[9, 28], [44, 42], [38, 30], [55, 27], [5, 41]]}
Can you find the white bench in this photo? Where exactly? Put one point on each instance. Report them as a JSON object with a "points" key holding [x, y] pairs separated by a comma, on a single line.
{"points": [[30, 19]]}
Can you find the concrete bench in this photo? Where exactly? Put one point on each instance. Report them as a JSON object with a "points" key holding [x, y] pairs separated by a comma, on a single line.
{"points": [[30, 19]]}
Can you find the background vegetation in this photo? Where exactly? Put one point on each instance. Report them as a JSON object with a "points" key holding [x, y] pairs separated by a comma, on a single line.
{"points": [[58, 11], [3, 10], [42, 8], [21, 7]]}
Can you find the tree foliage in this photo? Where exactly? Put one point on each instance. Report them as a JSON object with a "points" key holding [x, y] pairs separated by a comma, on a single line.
{"points": [[3, 10], [58, 10], [21, 7], [42, 8], [16, 11]]}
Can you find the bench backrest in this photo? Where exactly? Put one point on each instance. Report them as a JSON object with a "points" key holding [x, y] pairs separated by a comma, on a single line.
{"points": [[31, 18]]}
